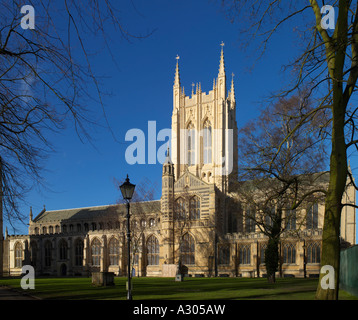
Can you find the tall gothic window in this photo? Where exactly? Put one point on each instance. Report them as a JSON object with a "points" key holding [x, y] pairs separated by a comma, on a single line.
{"points": [[224, 254], [18, 255], [191, 145], [63, 249], [314, 253], [96, 252], [194, 206], [153, 251], [289, 253], [312, 217], [291, 220], [263, 247], [245, 254], [207, 143], [48, 254], [180, 209], [187, 249], [113, 252], [250, 220], [79, 252]]}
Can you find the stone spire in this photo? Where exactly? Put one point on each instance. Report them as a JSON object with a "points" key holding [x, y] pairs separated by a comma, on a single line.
{"points": [[167, 158], [222, 61], [221, 82], [168, 167], [232, 90], [177, 76]]}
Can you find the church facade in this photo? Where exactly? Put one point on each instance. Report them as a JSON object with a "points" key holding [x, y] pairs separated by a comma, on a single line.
{"points": [[192, 224]]}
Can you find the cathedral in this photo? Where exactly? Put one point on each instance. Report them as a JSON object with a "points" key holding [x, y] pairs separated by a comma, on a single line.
{"points": [[191, 225]]}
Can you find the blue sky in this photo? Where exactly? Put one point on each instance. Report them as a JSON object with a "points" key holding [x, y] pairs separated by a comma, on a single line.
{"points": [[141, 83]]}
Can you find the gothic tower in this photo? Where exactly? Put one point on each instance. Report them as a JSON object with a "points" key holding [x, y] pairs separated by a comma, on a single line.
{"points": [[204, 130], [167, 209]]}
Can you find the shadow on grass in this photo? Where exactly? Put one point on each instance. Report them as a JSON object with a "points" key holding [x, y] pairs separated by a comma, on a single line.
{"points": [[169, 289]]}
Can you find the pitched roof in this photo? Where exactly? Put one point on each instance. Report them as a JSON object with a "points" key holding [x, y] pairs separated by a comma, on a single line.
{"points": [[95, 213]]}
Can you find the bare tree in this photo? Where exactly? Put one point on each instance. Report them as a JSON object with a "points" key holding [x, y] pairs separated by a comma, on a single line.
{"points": [[273, 185], [47, 79], [328, 65]]}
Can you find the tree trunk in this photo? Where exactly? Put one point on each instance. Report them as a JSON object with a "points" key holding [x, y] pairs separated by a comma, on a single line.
{"points": [[333, 204], [271, 259]]}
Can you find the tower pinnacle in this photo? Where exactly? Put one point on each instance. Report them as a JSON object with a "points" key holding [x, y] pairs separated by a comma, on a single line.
{"points": [[177, 76], [222, 61], [232, 90]]}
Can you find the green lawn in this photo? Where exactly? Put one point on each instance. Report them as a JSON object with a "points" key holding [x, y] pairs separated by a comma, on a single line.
{"points": [[168, 289]]}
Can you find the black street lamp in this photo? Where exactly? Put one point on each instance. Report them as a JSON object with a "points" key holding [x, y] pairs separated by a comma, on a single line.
{"points": [[127, 190]]}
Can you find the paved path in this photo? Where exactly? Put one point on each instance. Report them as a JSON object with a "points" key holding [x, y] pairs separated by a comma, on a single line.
{"points": [[9, 294]]}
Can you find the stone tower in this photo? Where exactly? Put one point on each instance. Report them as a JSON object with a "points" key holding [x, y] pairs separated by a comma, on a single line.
{"points": [[204, 130], [167, 208]]}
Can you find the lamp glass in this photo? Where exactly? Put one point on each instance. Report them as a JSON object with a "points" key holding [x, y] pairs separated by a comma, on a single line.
{"points": [[127, 189]]}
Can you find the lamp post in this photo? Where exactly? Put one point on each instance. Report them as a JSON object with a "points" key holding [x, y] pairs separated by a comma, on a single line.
{"points": [[127, 190]]}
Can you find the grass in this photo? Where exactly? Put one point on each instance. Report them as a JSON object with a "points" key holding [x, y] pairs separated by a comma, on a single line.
{"points": [[168, 289]]}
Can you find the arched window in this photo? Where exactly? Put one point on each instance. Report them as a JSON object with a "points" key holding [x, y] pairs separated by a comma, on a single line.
{"points": [[63, 249], [50, 229], [187, 249], [79, 252], [44, 230], [180, 209], [134, 225], [143, 223], [245, 254], [314, 252], [194, 205], [37, 230], [312, 217], [191, 145], [151, 222], [96, 252], [290, 219], [79, 227], [207, 143], [113, 247], [153, 251], [48, 253], [86, 226], [289, 253], [224, 254], [57, 229], [250, 220], [263, 247], [18, 255]]}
